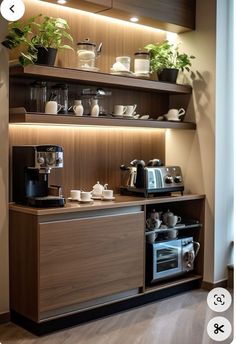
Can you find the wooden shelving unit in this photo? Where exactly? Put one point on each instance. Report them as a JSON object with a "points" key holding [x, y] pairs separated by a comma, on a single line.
{"points": [[95, 78], [21, 116]]}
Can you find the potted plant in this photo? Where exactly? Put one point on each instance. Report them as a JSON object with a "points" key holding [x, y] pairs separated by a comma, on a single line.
{"points": [[166, 60], [39, 40]]}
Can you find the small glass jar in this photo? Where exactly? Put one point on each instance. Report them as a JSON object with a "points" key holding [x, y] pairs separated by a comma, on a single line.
{"points": [[142, 63]]}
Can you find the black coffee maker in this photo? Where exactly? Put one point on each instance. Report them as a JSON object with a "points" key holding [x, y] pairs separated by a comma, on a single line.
{"points": [[31, 166]]}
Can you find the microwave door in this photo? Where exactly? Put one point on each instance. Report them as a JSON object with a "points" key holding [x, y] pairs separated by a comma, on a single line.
{"points": [[167, 259]]}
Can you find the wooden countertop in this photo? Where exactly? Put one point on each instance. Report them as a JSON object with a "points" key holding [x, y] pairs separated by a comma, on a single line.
{"points": [[119, 202]]}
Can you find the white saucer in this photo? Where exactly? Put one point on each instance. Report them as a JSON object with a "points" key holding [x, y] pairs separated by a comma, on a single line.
{"points": [[108, 199], [96, 197], [174, 120], [73, 199], [122, 73], [90, 201], [89, 69]]}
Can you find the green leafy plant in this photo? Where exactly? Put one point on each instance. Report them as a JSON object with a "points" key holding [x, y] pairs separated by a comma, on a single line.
{"points": [[166, 55], [39, 31]]}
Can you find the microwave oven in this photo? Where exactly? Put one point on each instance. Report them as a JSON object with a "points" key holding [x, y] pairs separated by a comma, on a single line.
{"points": [[169, 258]]}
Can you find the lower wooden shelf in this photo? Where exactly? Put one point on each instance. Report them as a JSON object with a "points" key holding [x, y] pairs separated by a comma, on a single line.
{"points": [[20, 116], [173, 283]]}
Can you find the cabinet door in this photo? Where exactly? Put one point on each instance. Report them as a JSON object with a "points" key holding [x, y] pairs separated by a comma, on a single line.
{"points": [[158, 13], [88, 258]]}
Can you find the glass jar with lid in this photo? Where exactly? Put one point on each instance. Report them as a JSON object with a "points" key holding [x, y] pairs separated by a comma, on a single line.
{"points": [[87, 53], [142, 63]]}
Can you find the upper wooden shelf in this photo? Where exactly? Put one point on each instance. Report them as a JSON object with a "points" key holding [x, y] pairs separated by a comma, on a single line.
{"points": [[20, 116], [95, 78]]}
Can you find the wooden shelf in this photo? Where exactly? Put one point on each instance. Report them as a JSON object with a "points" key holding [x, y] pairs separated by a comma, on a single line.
{"points": [[95, 78], [180, 227], [173, 283], [20, 116]]}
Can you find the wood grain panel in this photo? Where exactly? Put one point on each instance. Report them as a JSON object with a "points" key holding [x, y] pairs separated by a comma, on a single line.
{"points": [[172, 15], [90, 6], [118, 38], [23, 250], [85, 259], [92, 154]]}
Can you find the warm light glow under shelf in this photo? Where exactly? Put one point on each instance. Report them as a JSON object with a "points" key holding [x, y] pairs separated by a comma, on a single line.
{"points": [[86, 127]]}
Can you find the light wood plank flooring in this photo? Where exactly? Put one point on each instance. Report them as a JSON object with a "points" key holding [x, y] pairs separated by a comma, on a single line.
{"points": [[181, 319]]}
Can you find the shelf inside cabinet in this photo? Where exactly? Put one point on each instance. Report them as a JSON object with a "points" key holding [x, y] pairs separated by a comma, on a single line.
{"points": [[173, 283], [21, 116], [97, 78], [178, 227]]}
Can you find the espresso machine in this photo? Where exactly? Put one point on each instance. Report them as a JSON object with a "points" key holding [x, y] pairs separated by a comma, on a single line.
{"points": [[31, 166]]}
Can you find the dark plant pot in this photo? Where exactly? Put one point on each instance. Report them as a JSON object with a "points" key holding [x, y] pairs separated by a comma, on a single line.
{"points": [[46, 56], [168, 75]]}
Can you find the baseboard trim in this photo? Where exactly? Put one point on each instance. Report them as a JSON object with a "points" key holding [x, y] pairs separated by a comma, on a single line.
{"points": [[210, 285], [52, 325], [5, 318]]}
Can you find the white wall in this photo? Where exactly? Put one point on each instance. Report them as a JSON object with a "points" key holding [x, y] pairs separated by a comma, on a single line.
{"points": [[224, 165], [206, 155], [4, 284], [195, 151]]}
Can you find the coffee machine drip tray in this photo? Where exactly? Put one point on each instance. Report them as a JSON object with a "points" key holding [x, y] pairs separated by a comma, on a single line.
{"points": [[46, 201]]}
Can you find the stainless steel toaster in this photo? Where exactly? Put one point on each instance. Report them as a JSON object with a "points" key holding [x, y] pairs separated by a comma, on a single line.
{"points": [[152, 180]]}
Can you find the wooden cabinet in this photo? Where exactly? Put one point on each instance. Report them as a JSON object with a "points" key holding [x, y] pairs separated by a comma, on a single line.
{"points": [[173, 15], [58, 265], [84, 261]]}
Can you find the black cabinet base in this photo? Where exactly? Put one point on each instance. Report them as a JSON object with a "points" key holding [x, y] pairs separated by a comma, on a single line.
{"points": [[79, 318]]}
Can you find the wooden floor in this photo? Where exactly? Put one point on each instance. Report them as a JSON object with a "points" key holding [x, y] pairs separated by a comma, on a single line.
{"points": [[181, 319]]}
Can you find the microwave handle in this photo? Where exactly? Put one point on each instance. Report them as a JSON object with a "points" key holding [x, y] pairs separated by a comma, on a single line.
{"points": [[196, 248]]}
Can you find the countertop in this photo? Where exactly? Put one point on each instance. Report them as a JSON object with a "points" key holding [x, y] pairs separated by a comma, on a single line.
{"points": [[119, 202]]}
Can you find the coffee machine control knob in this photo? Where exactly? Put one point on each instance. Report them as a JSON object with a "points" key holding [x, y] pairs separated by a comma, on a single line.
{"points": [[178, 179], [41, 160], [169, 180]]}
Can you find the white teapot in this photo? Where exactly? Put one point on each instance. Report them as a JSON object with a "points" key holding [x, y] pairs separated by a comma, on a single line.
{"points": [[98, 190]]}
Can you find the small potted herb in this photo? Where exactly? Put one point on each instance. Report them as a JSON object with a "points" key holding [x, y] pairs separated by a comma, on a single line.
{"points": [[166, 60], [39, 40]]}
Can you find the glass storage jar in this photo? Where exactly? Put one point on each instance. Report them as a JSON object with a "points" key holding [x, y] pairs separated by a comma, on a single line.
{"points": [[142, 63]]}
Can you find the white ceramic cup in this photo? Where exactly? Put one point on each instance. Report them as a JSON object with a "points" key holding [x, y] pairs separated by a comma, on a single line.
{"points": [[52, 107], [75, 194], [130, 110], [119, 110], [150, 238], [172, 220], [85, 196], [175, 113], [107, 193]]}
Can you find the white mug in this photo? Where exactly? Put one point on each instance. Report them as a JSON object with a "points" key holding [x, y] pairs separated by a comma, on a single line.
{"points": [[174, 114], [107, 193], [130, 110], [75, 194], [52, 107], [119, 110], [85, 196]]}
